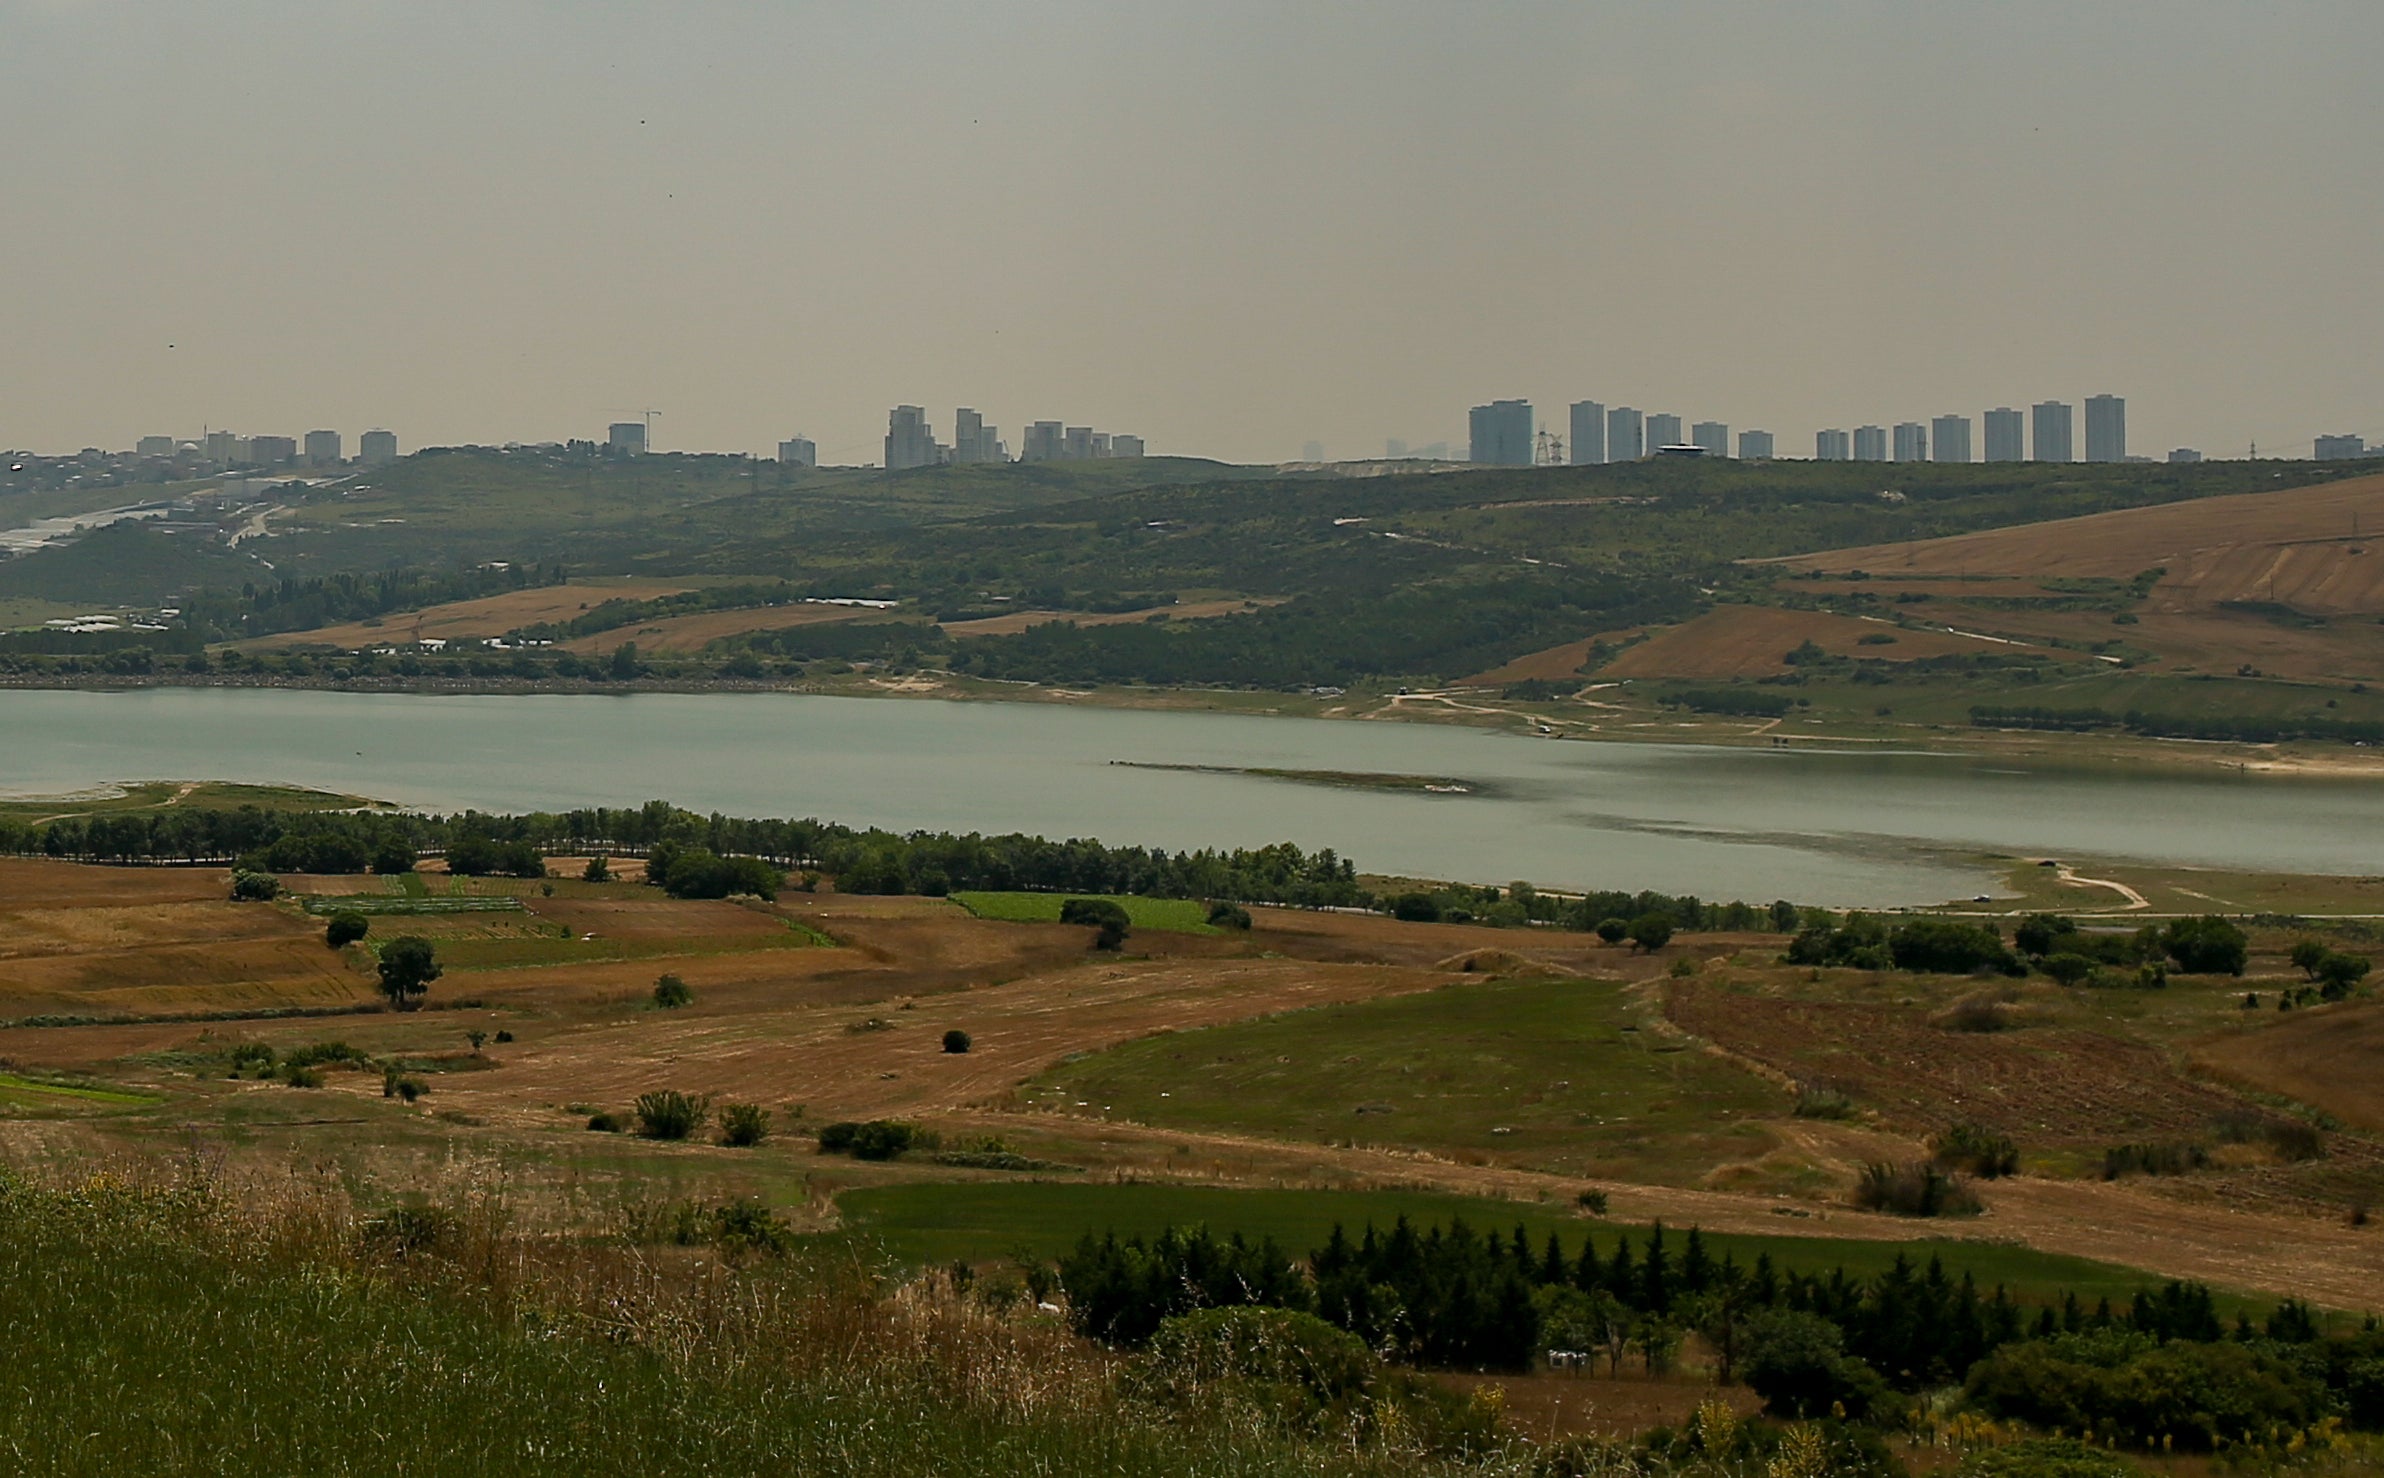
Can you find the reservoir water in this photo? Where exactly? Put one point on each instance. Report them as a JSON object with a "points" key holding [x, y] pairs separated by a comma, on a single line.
{"points": [[1818, 827]]}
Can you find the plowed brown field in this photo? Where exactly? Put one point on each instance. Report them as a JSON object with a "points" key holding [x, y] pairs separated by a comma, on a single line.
{"points": [[1754, 641], [684, 635], [466, 620]]}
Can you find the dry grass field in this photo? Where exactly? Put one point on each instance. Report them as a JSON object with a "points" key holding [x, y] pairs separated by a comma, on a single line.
{"points": [[825, 1006], [1737, 641], [467, 620], [684, 636], [2315, 549], [2332, 1060]]}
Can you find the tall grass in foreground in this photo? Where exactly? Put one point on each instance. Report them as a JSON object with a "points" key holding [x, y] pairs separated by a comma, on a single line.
{"points": [[180, 1329]]}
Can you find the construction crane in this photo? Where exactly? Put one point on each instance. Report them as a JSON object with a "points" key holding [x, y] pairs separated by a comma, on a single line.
{"points": [[650, 417]]}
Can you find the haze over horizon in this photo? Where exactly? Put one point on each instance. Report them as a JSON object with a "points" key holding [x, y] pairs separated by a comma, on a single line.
{"points": [[1231, 228]]}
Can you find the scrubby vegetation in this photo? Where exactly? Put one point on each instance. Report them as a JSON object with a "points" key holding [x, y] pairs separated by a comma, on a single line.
{"points": [[1810, 1344]]}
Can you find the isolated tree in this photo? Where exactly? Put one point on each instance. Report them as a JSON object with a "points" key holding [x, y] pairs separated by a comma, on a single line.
{"points": [[2307, 955], [346, 927], [670, 993], [956, 1040], [624, 666], [2208, 945], [2338, 973], [254, 887], [1613, 931], [477, 1038], [1224, 915], [1416, 908], [597, 871], [1106, 916], [1651, 931], [408, 965]]}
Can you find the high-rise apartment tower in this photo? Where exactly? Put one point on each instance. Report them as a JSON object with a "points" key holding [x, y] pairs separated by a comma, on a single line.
{"points": [[2106, 428], [1588, 446], [1949, 438], [1501, 434], [2007, 435], [2050, 432]]}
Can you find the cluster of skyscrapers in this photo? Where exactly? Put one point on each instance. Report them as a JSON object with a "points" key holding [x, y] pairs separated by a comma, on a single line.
{"points": [[228, 449], [2044, 433], [910, 441], [1504, 435]]}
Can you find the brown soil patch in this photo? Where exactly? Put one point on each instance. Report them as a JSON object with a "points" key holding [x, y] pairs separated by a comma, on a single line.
{"points": [[26, 883], [685, 635], [1013, 622], [2316, 549], [466, 620], [2331, 1058], [1560, 663], [1754, 641]]}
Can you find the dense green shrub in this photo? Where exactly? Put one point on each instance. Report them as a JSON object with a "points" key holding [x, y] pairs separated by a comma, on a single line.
{"points": [[345, 928], [667, 1113], [1913, 1190], [2173, 1157], [1225, 915], [2144, 1393], [956, 1040], [473, 856], [877, 1139], [670, 993], [1416, 908], [1948, 947], [744, 1125], [254, 887], [1798, 1364], [2047, 1457], [699, 872], [1651, 931], [1613, 931], [1976, 1150], [2208, 945]]}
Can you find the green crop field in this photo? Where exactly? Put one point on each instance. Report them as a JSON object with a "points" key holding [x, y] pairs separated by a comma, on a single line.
{"points": [[1176, 915], [19, 1093], [1042, 1219], [1553, 1074]]}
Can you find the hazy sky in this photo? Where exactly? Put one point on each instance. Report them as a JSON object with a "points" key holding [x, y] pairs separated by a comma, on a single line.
{"points": [[1231, 227]]}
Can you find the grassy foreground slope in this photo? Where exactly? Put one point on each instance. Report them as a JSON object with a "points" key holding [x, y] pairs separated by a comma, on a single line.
{"points": [[139, 1338]]}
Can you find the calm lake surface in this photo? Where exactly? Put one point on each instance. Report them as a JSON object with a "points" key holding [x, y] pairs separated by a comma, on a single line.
{"points": [[1838, 828]]}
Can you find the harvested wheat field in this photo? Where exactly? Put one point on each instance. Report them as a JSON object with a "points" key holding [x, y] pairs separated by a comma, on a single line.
{"points": [[681, 636], [1754, 641], [2315, 549], [2330, 1057], [467, 620], [1562, 663]]}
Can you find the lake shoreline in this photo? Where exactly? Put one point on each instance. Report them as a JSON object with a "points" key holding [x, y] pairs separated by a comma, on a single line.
{"points": [[1478, 709]]}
